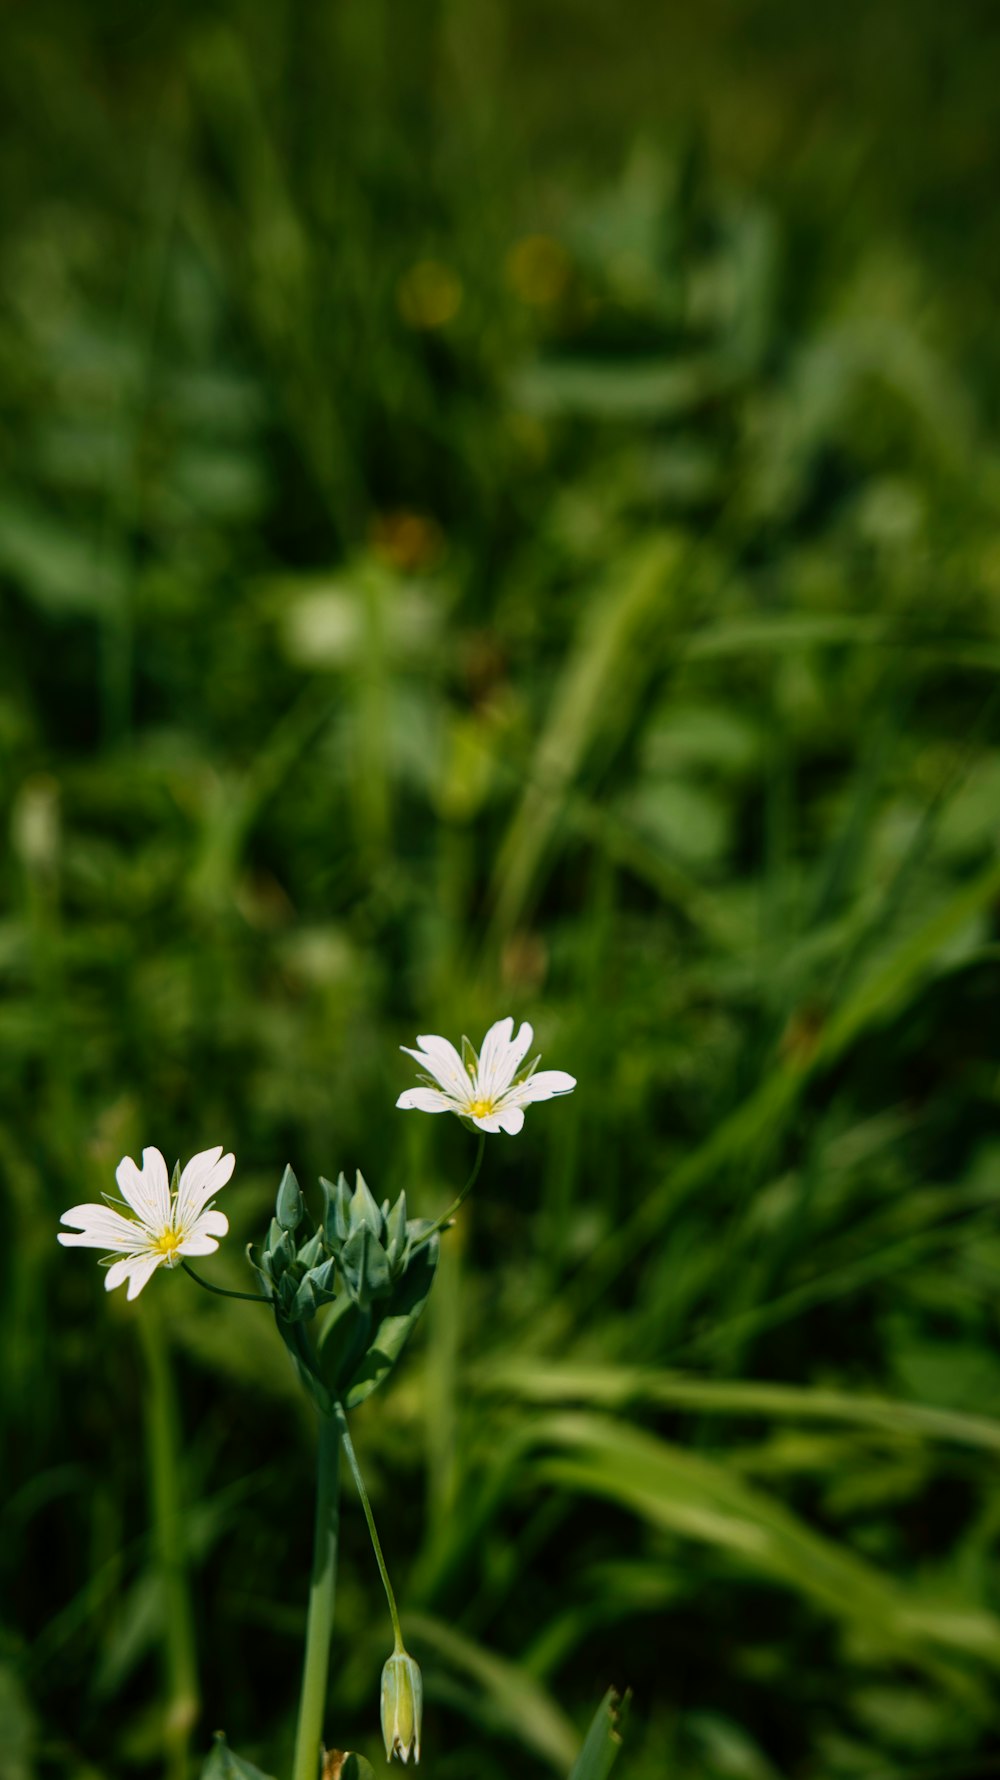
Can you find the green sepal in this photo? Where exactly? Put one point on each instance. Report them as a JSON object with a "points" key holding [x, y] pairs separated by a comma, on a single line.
{"points": [[365, 1264], [316, 1289], [288, 1291], [261, 1271], [223, 1764], [396, 1319], [324, 1281], [305, 1300], [418, 1228], [289, 1204], [364, 1210], [337, 1211], [280, 1253], [396, 1238], [312, 1251]]}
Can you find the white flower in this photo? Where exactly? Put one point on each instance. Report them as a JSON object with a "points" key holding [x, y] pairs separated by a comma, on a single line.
{"points": [[490, 1089], [166, 1225]]}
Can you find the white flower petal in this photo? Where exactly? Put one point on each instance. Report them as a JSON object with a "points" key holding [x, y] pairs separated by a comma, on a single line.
{"points": [[146, 1189], [210, 1223], [201, 1238], [143, 1268], [510, 1119], [441, 1060], [204, 1175], [545, 1084], [492, 1058], [101, 1227], [121, 1271], [198, 1243], [426, 1100], [517, 1050], [491, 1122]]}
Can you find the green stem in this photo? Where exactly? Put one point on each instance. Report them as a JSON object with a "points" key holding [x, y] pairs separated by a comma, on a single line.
{"points": [[322, 1586], [352, 1459], [440, 1223], [163, 1445], [222, 1291]]}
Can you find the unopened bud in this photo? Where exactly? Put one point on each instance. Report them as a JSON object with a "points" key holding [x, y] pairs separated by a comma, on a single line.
{"points": [[402, 1705]]}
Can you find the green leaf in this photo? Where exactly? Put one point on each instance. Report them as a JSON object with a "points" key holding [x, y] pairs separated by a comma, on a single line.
{"points": [[343, 1343], [620, 1386], [603, 1740], [693, 1497], [619, 645], [224, 1764], [403, 1310]]}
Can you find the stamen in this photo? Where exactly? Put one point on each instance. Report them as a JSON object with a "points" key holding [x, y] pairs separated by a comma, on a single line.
{"points": [[168, 1244]]}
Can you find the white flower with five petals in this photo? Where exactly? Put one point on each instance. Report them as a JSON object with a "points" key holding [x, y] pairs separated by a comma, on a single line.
{"points": [[167, 1225], [492, 1089]]}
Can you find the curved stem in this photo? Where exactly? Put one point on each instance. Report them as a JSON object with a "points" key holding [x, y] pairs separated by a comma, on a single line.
{"points": [[440, 1223], [352, 1460], [221, 1291], [322, 1587]]}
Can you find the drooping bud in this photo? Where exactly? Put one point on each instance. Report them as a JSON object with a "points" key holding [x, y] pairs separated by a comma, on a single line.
{"points": [[402, 1706]]}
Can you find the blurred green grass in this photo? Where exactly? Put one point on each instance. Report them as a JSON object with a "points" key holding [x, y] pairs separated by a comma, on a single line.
{"points": [[499, 513]]}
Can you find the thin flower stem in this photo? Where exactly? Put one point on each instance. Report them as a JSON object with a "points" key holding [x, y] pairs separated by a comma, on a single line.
{"points": [[352, 1460], [322, 1588], [440, 1223], [221, 1291]]}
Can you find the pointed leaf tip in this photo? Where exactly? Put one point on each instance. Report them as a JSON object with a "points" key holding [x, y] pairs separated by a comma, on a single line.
{"points": [[224, 1764], [604, 1738]]}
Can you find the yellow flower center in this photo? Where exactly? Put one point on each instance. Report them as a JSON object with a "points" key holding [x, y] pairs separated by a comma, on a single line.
{"points": [[168, 1243], [481, 1109]]}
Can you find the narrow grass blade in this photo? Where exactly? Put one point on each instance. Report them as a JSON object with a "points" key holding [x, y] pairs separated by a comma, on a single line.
{"points": [[603, 1740]]}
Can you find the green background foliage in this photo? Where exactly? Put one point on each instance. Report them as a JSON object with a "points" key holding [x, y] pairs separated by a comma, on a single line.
{"points": [[499, 514]]}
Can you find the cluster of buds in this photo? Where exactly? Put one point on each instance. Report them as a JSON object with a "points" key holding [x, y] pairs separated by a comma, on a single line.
{"points": [[371, 1243], [359, 1245], [298, 1277], [371, 1263]]}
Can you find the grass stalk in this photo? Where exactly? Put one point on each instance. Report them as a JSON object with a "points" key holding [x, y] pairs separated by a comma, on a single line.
{"points": [[322, 1591]]}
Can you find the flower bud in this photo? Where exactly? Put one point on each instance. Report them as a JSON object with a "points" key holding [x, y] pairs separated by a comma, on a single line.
{"points": [[402, 1705]]}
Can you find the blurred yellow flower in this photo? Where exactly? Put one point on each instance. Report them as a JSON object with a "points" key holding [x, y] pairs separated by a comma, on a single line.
{"points": [[429, 295], [538, 269]]}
